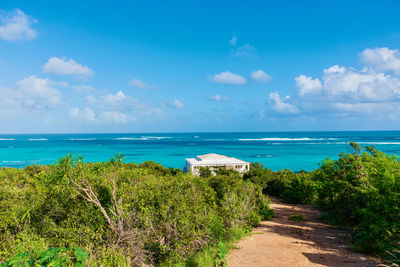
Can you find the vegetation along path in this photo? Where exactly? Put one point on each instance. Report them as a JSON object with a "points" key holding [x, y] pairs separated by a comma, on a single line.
{"points": [[285, 242]]}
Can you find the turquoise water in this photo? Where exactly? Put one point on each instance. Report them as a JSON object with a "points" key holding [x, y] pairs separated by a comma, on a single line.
{"points": [[276, 150]]}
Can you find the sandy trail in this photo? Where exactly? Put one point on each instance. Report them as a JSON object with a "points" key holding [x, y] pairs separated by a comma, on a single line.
{"points": [[283, 242]]}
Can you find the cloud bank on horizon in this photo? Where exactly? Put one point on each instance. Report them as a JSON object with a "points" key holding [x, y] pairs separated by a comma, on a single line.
{"points": [[341, 90], [73, 90]]}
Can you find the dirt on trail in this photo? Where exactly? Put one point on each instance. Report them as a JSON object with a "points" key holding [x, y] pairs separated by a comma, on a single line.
{"points": [[283, 242]]}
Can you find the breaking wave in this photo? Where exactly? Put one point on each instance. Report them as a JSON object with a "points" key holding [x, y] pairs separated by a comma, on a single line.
{"points": [[380, 143], [81, 139], [284, 139], [143, 138]]}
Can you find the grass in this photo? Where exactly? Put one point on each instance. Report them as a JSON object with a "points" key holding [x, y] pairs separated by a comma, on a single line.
{"points": [[215, 255], [296, 217]]}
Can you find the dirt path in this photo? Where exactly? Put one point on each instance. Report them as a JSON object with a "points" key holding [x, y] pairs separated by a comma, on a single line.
{"points": [[283, 242]]}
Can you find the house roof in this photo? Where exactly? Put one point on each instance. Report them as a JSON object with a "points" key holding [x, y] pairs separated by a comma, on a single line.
{"points": [[214, 159]]}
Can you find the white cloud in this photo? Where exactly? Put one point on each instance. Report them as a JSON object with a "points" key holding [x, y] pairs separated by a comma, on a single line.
{"points": [[114, 102], [341, 83], [176, 104], [246, 50], [279, 105], [103, 117], [364, 85], [116, 108], [228, 77], [342, 91], [36, 93], [366, 108], [141, 85], [382, 59], [16, 26], [116, 117], [307, 85], [63, 66], [261, 76], [32, 94], [233, 41], [218, 98], [86, 114], [83, 89]]}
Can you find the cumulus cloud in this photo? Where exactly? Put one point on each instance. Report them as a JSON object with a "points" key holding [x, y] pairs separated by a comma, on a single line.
{"points": [[365, 85], [261, 76], [233, 41], [86, 114], [307, 85], [279, 105], [37, 93], [218, 98], [382, 59], [371, 91], [246, 50], [228, 77], [87, 89], [116, 108], [102, 117], [16, 26], [32, 94], [115, 102], [141, 85], [176, 104], [63, 66]]}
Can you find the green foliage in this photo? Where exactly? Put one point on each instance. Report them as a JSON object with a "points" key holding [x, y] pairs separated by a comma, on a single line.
{"points": [[362, 190], [292, 187], [265, 211], [137, 215], [258, 174], [220, 259], [205, 172], [222, 170], [51, 257], [148, 214], [296, 217], [301, 189]]}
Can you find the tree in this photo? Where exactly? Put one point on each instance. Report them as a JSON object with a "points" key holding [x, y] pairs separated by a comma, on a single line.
{"points": [[81, 180]]}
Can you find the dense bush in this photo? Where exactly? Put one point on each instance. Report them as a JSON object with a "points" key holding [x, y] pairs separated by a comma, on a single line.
{"points": [[121, 214], [51, 257], [362, 190], [292, 187]]}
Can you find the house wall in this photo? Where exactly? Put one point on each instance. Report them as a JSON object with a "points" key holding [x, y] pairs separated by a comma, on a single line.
{"points": [[195, 169]]}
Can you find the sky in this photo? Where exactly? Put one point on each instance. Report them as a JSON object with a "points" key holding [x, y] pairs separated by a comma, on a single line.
{"points": [[198, 66]]}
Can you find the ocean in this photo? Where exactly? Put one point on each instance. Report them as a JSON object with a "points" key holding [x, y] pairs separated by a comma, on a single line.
{"points": [[276, 150]]}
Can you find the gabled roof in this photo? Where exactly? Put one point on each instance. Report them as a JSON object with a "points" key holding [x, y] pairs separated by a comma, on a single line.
{"points": [[214, 159]]}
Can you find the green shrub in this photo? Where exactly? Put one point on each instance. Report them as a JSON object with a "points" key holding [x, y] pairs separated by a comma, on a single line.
{"points": [[51, 257], [301, 189], [121, 214], [258, 174], [205, 172], [362, 190], [296, 217]]}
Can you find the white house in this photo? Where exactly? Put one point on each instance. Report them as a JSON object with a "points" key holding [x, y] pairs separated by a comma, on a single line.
{"points": [[214, 161]]}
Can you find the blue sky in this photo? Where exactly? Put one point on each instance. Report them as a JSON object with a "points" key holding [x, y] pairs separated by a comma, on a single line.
{"points": [[168, 66]]}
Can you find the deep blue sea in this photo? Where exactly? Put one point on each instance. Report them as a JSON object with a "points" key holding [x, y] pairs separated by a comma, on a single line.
{"points": [[276, 150]]}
